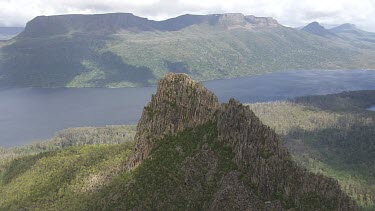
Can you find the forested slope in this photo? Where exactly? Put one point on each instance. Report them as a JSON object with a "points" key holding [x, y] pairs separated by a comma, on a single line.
{"points": [[330, 134], [122, 50]]}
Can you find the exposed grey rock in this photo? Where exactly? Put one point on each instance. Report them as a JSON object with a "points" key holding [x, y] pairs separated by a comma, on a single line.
{"points": [[179, 103]]}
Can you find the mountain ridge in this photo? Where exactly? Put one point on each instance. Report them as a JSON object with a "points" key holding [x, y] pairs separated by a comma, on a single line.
{"points": [[123, 50], [345, 26], [317, 29], [346, 32], [256, 148], [114, 22]]}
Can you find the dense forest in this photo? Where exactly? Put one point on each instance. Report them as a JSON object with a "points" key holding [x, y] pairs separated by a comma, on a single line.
{"points": [[67, 138], [332, 135]]}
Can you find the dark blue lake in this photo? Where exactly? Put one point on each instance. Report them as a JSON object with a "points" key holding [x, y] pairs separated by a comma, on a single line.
{"points": [[29, 114]]}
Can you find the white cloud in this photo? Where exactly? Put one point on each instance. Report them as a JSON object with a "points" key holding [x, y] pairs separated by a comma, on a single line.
{"points": [[287, 12]]}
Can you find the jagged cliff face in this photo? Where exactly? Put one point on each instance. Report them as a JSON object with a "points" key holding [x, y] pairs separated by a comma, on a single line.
{"points": [[237, 20], [179, 103], [265, 178]]}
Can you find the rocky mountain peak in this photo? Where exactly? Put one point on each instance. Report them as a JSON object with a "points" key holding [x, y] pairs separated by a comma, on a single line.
{"points": [[313, 27], [262, 21], [317, 29], [179, 103]]}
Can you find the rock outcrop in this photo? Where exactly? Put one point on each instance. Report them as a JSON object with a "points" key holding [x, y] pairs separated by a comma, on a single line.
{"points": [[238, 20], [262, 21], [179, 103], [266, 179]]}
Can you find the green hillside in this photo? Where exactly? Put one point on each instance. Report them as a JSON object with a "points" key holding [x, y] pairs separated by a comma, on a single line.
{"points": [[122, 50], [207, 52], [77, 159], [92, 177], [68, 138], [332, 135]]}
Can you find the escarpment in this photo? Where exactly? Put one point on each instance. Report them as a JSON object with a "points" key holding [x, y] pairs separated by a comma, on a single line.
{"points": [[265, 178]]}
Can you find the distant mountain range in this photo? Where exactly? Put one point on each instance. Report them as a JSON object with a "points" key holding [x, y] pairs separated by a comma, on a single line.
{"points": [[7, 33], [122, 50], [345, 32], [317, 29]]}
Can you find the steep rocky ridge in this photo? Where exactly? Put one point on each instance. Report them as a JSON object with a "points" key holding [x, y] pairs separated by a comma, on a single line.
{"points": [[179, 103], [268, 164], [266, 179]]}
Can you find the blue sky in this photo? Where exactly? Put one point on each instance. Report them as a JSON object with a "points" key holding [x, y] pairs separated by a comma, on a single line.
{"points": [[288, 12]]}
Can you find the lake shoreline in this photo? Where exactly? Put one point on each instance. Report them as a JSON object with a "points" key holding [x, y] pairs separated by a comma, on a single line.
{"points": [[31, 114]]}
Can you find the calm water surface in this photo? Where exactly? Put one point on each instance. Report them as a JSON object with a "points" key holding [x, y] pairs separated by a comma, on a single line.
{"points": [[372, 108], [29, 114]]}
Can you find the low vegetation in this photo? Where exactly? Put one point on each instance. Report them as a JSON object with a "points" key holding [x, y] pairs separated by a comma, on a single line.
{"points": [[70, 137], [62, 178], [332, 135]]}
